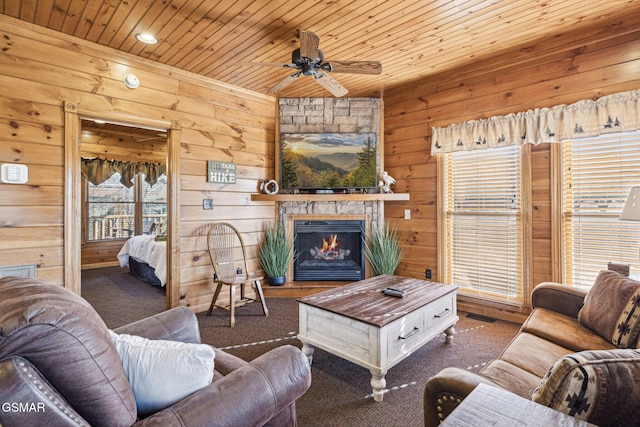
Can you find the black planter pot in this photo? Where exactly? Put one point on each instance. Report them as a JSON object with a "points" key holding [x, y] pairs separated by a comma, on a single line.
{"points": [[277, 281]]}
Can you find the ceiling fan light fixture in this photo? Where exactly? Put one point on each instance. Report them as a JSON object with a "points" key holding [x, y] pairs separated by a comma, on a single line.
{"points": [[308, 69], [147, 38]]}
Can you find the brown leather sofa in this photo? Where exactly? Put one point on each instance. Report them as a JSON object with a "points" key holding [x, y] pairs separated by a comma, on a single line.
{"points": [[59, 367], [552, 332]]}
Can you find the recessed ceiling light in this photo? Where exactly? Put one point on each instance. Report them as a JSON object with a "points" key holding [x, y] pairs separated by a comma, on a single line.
{"points": [[146, 38]]}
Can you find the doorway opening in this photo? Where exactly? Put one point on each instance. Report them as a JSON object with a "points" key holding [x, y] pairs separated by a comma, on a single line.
{"points": [[124, 210], [103, 135]]}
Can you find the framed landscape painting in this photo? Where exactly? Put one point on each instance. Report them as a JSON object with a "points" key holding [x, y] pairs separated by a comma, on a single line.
{"points": [[328, 161]]}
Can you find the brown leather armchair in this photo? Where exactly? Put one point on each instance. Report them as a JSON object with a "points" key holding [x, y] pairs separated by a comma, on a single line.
{"points": [[59, 367]]}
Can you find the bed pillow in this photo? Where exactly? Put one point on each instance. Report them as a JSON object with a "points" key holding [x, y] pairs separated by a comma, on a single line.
{"points": [[598, 386], [612, 308], [162, 372]]}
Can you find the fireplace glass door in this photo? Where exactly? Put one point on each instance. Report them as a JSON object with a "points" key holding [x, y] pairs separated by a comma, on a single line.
{"points": [[329, 250]]}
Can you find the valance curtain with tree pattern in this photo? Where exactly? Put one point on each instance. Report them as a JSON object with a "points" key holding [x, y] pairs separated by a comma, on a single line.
{"points": [[99, 170], [613, 113]]}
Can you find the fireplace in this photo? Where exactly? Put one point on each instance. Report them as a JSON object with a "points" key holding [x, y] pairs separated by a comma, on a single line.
{"points": [[329, 250]]}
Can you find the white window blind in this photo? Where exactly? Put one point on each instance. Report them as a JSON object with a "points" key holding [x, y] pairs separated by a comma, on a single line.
{"points": [[597, 175], [484, 223]]}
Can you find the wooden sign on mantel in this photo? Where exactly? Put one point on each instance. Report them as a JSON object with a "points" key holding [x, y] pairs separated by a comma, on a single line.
{"points": [[221, 172]]}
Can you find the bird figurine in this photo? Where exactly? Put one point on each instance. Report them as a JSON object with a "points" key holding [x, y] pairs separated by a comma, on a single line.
{"points": [[385, 182]]}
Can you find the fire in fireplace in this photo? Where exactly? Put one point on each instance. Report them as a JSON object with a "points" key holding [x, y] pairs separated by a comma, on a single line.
{"points": [[329, 250]]}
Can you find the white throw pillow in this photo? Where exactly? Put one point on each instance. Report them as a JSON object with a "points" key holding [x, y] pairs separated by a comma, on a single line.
{"points": [[162, 372]]}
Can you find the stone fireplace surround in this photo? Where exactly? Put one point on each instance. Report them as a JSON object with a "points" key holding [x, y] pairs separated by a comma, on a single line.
{"points": [[369, 211], [299, 115]]}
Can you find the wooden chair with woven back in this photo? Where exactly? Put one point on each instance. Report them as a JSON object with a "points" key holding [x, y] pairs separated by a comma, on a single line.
{"points": [[229, 258]]}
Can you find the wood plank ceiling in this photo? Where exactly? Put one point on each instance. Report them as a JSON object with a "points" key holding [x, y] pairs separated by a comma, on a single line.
{"points": [[413, 39]]}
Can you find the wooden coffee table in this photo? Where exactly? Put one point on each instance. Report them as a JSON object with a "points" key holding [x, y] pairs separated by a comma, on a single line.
{"points": [[357, 322]]}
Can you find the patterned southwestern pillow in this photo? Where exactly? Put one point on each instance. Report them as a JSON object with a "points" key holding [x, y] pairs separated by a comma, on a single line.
{"points": [[612, 308], [598, 386]]}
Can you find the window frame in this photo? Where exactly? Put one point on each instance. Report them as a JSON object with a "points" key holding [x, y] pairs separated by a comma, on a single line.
{"points": [[138, 209]]}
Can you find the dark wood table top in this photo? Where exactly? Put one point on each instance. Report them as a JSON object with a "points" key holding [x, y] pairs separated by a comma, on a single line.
{"points": [[365, 302]]}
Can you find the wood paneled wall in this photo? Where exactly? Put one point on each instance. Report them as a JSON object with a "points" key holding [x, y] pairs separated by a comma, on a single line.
{"points": [[40, 69], [125, 146], [545, 74]]}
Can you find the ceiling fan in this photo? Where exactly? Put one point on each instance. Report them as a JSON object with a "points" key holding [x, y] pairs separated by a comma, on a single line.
{"points": [[308, 60]]}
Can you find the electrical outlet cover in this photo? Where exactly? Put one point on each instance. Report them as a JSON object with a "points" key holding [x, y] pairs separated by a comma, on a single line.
{"points": [[207, 204]]}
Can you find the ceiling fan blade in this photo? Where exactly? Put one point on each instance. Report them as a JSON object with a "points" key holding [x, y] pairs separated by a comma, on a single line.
{"points": [[356, 67], [283, 83], [331, 84], [309, 44], [266, 64]]}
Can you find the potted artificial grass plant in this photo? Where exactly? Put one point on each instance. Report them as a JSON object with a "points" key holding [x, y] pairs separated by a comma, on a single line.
{"points": [[275, 254], [383, 250]]}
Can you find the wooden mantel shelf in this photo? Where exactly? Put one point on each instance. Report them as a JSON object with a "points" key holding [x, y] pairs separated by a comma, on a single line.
{"points": [[328, 197]]}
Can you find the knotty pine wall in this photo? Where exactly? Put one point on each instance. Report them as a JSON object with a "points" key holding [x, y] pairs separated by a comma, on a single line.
{"points": [[546, 74], [41, 69]]}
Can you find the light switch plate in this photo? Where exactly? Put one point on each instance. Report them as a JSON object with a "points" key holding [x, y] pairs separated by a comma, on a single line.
{"points": [[12, 173], [407, 214]]}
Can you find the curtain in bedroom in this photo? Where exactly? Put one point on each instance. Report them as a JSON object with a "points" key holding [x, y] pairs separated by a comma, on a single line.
{"points": [[99, 170]]}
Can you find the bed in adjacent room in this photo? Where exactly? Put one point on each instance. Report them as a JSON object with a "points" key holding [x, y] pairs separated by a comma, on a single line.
{"points": [[146, 259]]}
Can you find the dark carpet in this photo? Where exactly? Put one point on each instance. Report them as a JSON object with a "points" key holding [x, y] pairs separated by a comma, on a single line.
{"points": [[340, 393], [118, 297]]}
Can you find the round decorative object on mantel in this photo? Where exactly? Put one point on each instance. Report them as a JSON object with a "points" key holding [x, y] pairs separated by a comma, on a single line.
{"points": [[269, 186]]}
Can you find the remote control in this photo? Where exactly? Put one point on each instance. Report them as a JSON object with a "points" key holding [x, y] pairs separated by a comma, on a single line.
{"points": [[393, 292]]}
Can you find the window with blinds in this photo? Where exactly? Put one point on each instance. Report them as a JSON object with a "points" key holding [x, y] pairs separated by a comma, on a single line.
{"points": [[484, 223], [597, 175]]}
